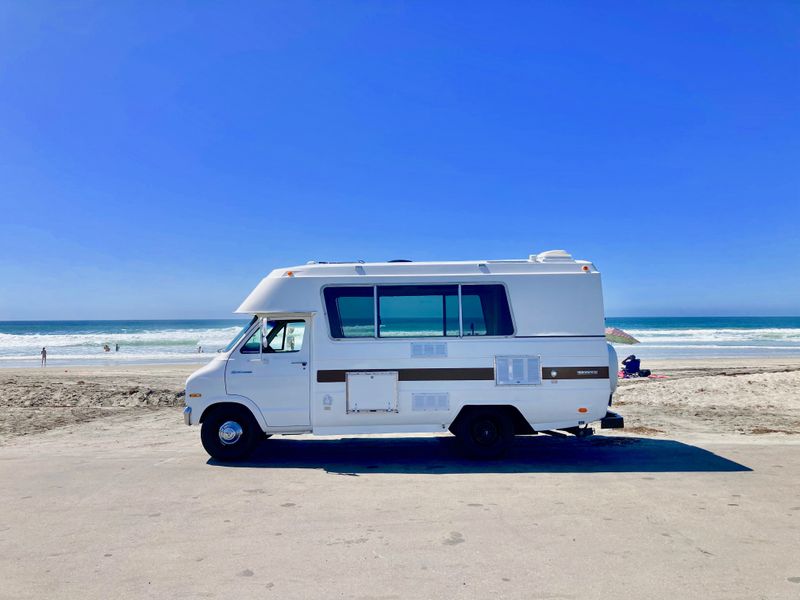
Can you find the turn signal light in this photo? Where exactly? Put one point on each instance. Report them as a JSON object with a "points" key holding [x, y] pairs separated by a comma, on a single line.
{"points": [[195, 395], [583, 409]]}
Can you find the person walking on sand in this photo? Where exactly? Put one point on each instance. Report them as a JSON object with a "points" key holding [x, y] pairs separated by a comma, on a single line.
{"points": [[44, 357]]}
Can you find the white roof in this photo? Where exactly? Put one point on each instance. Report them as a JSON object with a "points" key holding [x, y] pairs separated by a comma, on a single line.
{"points": [[552, 261]]}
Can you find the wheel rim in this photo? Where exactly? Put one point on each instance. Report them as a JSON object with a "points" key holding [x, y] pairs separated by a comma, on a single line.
{"points": [[485, 432], [230, 432]]}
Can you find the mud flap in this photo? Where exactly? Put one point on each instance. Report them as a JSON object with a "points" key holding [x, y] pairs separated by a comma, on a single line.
{"points": [[612, 421]]}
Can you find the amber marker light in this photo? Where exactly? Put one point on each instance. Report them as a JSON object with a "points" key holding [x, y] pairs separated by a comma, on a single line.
{"points": [[195, 395], [583, 409], [586, 268]]}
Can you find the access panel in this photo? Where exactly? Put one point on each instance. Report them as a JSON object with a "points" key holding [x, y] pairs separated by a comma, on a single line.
{"points": [[371, 391]]}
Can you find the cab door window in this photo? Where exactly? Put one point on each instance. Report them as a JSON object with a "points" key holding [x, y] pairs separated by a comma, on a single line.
{"points": [[282, 336], [286, 336]]}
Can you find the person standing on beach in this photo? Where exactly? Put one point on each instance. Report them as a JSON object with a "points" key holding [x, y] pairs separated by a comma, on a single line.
{"points": [[116, 348], [44, 357]]}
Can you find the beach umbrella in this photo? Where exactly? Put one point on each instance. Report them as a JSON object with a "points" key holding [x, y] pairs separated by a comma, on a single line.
{"points": [[617, 336]]}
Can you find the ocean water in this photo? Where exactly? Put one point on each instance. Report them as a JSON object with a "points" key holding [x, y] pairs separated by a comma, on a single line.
{"points": [[668, 337], [81, 342]]}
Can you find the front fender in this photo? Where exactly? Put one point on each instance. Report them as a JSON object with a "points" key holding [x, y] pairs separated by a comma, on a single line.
{"points": [[199, 409]]}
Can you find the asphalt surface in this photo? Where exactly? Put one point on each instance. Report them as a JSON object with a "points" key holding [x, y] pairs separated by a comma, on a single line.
{"points": [[131, 507]]}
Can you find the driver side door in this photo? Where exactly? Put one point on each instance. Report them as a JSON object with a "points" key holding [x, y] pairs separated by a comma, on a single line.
{"points": [[272, 369]]}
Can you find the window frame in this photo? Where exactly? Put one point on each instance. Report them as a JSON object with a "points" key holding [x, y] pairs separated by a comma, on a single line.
{"points": [[375, 335], [508, 304], [374, 310]]}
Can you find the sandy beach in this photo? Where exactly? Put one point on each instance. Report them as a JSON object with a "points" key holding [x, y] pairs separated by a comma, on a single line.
{"points": [[714, 397], [107, 494], [33, 400]]}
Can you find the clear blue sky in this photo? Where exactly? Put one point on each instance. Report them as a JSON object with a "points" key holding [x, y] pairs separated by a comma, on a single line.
{"points": [[158, 158]]}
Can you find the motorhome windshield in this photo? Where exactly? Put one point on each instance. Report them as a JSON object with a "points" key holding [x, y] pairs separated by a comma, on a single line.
{"points": [[239, 335]]}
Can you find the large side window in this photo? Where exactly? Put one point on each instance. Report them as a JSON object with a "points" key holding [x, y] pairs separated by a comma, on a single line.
{"points": [[351, 311], [418, 311], [484, 310]]}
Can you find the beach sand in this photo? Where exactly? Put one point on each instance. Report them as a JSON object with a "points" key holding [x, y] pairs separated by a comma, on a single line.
{"points": [[713, 397], [696, 397], [35, 400]]}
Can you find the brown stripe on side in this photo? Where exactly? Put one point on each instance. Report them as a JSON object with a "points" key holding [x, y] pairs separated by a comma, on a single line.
{"points": [[574, 373], [455, 374]]}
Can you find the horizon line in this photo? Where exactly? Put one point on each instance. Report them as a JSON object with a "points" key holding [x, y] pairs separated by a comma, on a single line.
{"points": [[244, 317]]}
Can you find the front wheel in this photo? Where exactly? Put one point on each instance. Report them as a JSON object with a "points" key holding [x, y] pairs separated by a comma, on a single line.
{"points": [[230, 433], [485, 433]]}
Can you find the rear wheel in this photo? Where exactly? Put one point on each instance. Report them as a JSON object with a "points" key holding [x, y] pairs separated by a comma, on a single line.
{"points": [[230, 433], [485, 432]]}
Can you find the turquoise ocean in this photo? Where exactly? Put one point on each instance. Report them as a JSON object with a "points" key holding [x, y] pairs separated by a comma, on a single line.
{"points": [[177, 341]]}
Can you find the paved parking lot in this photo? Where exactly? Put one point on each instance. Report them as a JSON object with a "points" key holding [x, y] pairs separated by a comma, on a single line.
{"points": [[132, 507]]}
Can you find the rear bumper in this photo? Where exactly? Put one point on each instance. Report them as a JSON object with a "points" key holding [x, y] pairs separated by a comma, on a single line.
{"points": [[612, 421], [187, 415]]}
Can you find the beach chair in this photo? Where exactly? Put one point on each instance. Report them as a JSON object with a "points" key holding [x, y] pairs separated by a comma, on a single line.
{"points": [[631, 366]]}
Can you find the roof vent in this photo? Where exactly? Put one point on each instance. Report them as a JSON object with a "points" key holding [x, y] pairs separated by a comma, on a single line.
{"points": [[552, 256]]}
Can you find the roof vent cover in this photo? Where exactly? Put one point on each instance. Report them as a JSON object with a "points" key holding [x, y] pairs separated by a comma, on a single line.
{"points": [[552, 256]]}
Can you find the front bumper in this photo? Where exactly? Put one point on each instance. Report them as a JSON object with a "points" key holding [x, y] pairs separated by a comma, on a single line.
{"points": [[187, 415]]}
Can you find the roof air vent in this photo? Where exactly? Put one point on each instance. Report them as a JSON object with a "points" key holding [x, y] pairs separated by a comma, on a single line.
{"points": [[552, 256]]}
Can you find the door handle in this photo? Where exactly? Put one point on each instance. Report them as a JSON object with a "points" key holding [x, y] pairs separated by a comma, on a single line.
{"points": [[299, 362]]}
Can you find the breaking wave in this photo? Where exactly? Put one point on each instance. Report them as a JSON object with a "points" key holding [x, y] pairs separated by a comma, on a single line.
{"points": [[75, 342]]}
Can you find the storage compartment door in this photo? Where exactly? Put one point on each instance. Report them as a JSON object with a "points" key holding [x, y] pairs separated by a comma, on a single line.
{"points": [[371, 391]]}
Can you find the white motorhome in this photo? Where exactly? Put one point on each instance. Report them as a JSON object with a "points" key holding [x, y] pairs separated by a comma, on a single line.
{"points": [[485, 349]]}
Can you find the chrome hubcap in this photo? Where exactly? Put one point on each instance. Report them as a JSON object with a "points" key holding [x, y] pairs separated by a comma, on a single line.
{"points": [[230, 432]]}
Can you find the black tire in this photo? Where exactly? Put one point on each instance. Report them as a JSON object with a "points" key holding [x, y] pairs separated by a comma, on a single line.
{"points": [[485, 433], [238, 445]]}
